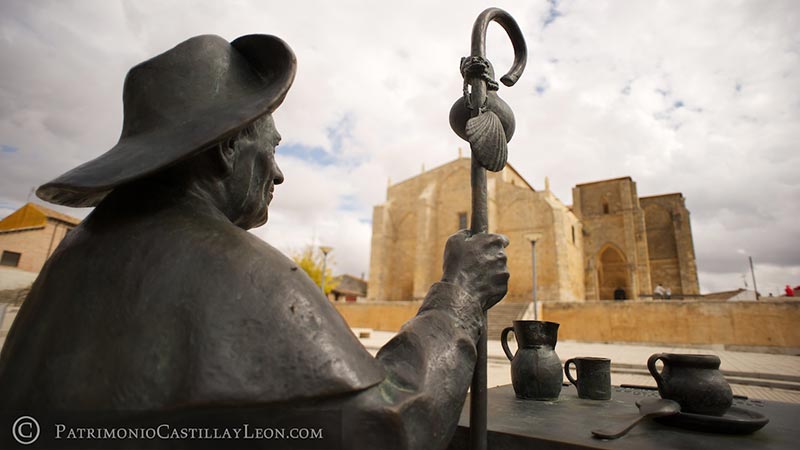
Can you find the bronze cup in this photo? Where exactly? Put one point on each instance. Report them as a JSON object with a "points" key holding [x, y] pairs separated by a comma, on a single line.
{"points": [[593, 377]]}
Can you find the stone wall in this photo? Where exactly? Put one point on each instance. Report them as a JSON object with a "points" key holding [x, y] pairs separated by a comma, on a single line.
{"points": [[670, 244], [583, 252], [762, 324], [383, 316], [769, 326], [410, 231], [615, 234], [634, 243], [526, 217]]}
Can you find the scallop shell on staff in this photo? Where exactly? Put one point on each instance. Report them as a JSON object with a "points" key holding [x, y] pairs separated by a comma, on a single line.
{"points": [[487, 139]]}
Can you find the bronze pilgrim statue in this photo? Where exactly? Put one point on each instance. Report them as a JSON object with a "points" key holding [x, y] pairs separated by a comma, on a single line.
{"points": [[160, 300]]}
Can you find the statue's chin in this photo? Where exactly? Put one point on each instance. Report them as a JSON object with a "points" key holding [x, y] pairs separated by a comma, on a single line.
{"points": [[262, 221], [261, 218], [254, 220]]}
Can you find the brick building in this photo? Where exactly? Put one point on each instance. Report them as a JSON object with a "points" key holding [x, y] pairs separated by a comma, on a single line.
{"points": [[348, 288], [29, 235], [610, 239]]}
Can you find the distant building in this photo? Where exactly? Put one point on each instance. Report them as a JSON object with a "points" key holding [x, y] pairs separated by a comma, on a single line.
{"points": [[348, 288], [30, 235], [634, 242], [609, 240], [738, 295]]}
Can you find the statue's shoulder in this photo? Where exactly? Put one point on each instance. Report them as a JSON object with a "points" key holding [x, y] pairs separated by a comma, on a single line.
{"points": [[213, 246], [270, 311], [237, 320], [182, 243]]}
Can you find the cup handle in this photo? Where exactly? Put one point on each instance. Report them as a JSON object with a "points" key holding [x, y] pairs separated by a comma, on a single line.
{"points": [[651, 366], [504, 342], [566, 370]]}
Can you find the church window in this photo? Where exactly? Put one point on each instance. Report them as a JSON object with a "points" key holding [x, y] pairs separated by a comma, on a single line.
{"points": [[573, 234], [605, 206]]}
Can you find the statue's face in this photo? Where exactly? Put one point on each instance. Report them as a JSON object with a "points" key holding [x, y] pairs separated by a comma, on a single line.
{"points": [[256, 173]]}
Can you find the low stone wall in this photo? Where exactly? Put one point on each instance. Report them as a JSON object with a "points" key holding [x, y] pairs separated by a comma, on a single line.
{"points": [[764, 326], [7, 315], [383, 316], [736, 325]]}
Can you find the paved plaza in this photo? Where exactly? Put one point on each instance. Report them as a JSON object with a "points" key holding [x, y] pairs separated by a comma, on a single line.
{"points": [[753, 375]]}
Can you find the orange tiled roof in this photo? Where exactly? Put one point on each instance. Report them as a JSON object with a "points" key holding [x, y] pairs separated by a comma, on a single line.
{"points": [[52, 214], [33, 216]]}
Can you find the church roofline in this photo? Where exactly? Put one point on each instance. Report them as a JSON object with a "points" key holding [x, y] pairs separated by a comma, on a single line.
{"points": [[605, 181], [440, 166], [508, 166], [662, 195]]}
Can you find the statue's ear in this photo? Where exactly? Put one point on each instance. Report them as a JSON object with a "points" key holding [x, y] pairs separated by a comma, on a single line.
{"points": [[226, 156]]}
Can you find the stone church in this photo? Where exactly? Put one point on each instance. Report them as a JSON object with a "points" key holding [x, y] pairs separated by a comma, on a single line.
{"points": [[608, 240]]}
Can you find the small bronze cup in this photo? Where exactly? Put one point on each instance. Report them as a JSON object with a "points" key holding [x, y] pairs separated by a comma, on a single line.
{"points": [[594, 377]]}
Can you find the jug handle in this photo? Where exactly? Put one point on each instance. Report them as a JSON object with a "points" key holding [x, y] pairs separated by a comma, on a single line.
{"points": [[566, 370], [504, 342], [651, 366]]}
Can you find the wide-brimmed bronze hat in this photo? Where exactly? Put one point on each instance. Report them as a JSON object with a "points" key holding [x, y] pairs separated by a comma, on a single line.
{"points": [[180, 103]]}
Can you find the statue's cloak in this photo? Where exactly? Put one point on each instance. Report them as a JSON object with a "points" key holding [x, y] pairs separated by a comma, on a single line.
{"points": [[149, 305]]}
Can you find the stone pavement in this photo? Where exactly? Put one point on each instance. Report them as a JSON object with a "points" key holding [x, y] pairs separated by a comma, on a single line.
{"points": [[754, 375]]}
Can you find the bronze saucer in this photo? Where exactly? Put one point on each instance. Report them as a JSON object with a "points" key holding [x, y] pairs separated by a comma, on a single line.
{"points": [[734, 421]]}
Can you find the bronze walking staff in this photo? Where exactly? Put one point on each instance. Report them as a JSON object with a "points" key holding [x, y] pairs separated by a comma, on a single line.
{"points": [[487, 123]]}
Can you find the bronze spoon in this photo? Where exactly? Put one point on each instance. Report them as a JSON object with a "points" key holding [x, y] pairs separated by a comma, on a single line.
{"points": [[648, 407]]}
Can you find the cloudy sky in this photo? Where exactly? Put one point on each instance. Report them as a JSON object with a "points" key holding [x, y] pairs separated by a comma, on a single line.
{"points": [[698, 97]]}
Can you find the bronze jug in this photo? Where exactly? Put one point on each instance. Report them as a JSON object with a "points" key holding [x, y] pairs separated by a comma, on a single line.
{"points": [[694, 381], [536, 368]]}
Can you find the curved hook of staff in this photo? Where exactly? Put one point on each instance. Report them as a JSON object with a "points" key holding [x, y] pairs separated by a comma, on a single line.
{"points": [[481, 117], [514, 33]]}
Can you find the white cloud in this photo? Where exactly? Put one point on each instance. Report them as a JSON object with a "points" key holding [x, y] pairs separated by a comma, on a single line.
{"points": [[702, 99]]}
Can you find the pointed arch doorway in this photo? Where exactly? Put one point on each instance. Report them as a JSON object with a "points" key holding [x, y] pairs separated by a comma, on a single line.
{"points": [[612, 273]]}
